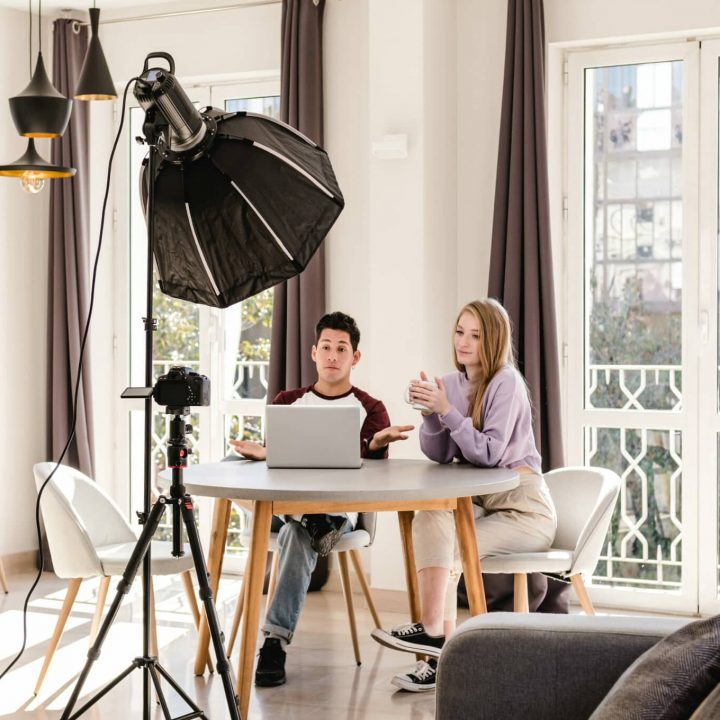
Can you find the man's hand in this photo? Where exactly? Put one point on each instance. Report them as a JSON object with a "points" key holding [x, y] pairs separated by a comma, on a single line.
{"points": [[433, 398], [248, 449], [382, 438]]}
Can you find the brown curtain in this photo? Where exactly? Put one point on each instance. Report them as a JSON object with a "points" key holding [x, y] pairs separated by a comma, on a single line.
{"points": [[69, 269], [298, 303], [521, 270]]}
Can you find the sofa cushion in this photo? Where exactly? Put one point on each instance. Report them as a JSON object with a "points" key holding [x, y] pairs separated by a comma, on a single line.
{"points": [[670, 680]]}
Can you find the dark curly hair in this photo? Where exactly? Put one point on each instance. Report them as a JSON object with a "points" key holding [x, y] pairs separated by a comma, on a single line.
{"points": [[338, 321]]}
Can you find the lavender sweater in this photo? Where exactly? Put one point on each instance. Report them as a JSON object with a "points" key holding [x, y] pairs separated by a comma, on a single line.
{"points": [[506, 439]]}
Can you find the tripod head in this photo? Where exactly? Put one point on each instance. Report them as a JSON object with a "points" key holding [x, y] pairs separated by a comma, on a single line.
{"points": [[177, 447]]}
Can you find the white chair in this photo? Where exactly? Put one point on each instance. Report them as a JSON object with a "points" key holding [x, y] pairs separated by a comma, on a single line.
{"points": [[349, 544], [584, 499], [3, 578], [88, 536]]}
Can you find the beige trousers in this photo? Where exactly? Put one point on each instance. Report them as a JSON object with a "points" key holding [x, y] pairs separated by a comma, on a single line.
{"points": [[520, 520]]}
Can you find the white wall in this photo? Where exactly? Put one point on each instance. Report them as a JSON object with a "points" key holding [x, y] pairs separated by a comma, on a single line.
{"points": [[23, 312], [583, 21]]}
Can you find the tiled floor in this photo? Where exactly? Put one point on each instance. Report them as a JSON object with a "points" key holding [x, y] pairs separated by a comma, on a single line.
{"points": [[323, 680]]}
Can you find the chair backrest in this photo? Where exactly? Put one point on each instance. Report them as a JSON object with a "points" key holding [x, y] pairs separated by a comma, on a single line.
{"points": [[79, 517], [584, 499], [367, 521]]}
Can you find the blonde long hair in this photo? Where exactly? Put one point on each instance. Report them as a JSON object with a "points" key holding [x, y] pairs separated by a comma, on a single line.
{"points": [[495, 348]]}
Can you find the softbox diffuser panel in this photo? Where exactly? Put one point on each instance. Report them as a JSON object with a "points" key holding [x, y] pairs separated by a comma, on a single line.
{"points": [[243, 216]]}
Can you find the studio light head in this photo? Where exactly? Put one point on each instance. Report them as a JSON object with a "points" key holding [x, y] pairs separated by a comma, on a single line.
{"points": [[158, 91], [241, 201]]}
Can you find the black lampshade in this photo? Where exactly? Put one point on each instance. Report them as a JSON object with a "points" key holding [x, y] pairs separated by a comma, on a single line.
{"points": [[33, 162], [95, 82], [40, 110]]}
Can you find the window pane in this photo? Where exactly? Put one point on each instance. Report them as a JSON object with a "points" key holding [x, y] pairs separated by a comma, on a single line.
{"points": [[643, 547], [633, 262], [248, 325]]}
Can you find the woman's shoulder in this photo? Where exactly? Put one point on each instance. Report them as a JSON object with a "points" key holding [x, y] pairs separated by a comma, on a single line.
{"points": [[507, 377]]}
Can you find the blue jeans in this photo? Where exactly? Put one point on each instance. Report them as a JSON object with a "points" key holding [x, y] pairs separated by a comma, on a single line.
{"points": [[297, 561], [296, 564]]}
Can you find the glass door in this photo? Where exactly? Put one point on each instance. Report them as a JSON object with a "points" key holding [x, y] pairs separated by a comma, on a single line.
{"points": [[632, 336]]}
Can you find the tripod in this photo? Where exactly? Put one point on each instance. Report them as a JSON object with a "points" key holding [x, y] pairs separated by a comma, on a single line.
{"points": [[182, 513], [153, 128]]}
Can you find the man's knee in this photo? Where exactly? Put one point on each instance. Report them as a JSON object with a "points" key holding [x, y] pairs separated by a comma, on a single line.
{"points": [[294, 537]]}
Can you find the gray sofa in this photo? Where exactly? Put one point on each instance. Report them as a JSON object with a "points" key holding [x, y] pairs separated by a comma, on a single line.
{"points": [[528, 666]]}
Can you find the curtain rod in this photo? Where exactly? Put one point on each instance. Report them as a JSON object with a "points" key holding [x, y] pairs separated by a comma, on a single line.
{"points": [[199, 11]]}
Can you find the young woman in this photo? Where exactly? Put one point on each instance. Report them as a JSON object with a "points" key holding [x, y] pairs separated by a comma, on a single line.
{"points": [[481, 415]]}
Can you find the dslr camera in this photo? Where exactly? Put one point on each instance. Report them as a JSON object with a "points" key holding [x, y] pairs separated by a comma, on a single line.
{"points": [[181, 387]]}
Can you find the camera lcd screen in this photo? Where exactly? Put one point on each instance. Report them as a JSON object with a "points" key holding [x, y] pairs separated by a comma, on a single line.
{"points": [[137, 392]]}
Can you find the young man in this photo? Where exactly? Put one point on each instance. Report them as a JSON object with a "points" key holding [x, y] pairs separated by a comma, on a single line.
{"points": [[335, 354]]}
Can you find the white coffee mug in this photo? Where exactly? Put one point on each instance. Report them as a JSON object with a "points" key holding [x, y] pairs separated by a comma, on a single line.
{"points": [[418, 405]]}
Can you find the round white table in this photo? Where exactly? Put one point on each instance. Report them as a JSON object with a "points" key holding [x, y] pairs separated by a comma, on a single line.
{"points": [[402, 486]]}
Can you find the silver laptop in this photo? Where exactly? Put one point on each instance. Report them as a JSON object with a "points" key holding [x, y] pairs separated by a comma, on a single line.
{"points": [[313, 436]]}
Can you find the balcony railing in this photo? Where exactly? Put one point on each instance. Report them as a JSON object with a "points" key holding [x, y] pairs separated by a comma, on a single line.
{"points": [[644, 544]]}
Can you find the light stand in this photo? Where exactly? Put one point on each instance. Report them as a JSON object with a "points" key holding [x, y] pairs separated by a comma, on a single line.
{"points": [[182, 505]]}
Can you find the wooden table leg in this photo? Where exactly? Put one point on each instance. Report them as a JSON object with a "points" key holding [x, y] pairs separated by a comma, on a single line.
{"points": [[218, 536], [465, 528], [255, 571], [405, 518]]}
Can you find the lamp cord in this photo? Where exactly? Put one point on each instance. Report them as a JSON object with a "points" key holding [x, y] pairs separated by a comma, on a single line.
{"points": [[77, 382], [30, 44]]}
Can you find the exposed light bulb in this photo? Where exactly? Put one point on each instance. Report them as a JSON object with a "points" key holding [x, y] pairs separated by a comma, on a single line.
{"points": [[32, 182]]}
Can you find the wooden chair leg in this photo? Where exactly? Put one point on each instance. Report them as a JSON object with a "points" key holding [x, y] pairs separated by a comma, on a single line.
{"points": [[186, 578], [273, 576], [521, 602], [99, 607], [153, 622], [70, 595], [3, 579], [239, 606], [582, 593], [357, 565], [347, 592]]}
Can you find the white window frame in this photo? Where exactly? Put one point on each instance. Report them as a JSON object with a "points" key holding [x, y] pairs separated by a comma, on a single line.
{"points": [[577, 417]]}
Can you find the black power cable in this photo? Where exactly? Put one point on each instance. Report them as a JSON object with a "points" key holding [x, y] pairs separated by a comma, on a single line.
{"points": [[77, 382]]}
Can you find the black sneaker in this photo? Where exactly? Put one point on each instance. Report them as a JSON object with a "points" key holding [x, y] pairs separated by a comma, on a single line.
{"points": [[324, 531], [410, 638], [421, 679], [270, 670]]}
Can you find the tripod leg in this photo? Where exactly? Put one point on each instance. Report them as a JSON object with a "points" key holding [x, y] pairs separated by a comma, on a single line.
{"points": [[153, 520], [206, 595], [221, 519], [158, 690]]}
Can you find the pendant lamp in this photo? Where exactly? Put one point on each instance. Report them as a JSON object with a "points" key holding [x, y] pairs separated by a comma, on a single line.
{"points": [[95, 82], [40, 110], [33, 170]]}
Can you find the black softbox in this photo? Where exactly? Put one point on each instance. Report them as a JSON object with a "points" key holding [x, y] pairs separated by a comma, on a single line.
{"points": [[245, 212]]}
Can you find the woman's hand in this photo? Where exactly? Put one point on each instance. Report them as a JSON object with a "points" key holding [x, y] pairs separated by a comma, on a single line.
{"points": [[248, 449], [382, 438], [433, 398]]}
